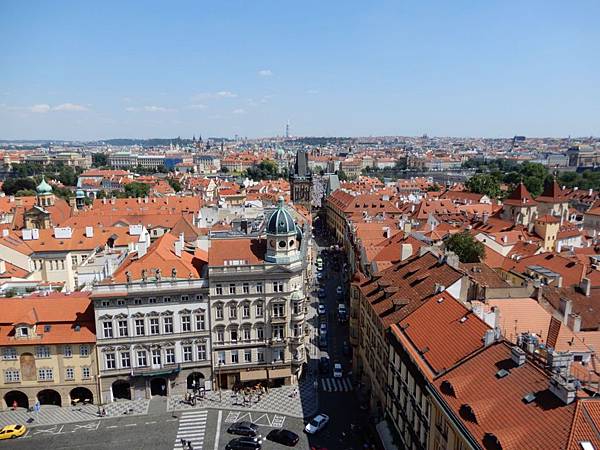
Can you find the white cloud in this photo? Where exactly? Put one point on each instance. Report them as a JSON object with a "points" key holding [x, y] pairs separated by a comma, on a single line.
{"points": [[149, 108], [239, 111], [70, 107], [197, 106], [40, 108], [226, 94], [265, 73], [312, 92]]}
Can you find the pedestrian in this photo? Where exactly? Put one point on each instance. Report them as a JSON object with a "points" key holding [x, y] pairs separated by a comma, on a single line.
{"points": [[14, 405], [103, 412]]}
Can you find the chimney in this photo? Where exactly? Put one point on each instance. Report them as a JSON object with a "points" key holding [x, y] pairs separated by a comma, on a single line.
{"points": [[113, 200], [585, 286], [518, 355], [565, 308], [486, 216], [405, 251], [489, 337], [565, 388], [19, 202], [89, 232], [2, 266], [574, 322], [178, 248], [5, 232], [452, 260], [104, 201], [146, 199], [387, 232]]}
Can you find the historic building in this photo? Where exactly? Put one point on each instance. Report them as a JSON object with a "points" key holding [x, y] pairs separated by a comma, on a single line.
{"points": [[301, 181], [258, 302], [153, 324], [47, 346]]}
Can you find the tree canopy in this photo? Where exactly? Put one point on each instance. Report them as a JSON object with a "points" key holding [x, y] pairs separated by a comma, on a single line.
{"points": [[466, 247], [266, 170], [485, 184], [136, 189], [12, 185]]}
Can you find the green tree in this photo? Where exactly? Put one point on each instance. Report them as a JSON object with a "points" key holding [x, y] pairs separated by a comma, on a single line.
{"points": [[12, 185], [137, 189], [67, 176], [342, 175], [25, 193], [484, 183], [99, 160], [175, 184], [534, 185], [466, 247]]}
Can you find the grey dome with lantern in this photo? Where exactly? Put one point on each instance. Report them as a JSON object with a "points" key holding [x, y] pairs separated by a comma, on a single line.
{"points": [[281, 221]]}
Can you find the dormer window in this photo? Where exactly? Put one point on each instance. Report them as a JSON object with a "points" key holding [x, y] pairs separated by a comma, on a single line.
{"points": [[23, 331]]}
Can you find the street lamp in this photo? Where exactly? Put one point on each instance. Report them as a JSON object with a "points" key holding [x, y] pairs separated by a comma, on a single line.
{"points": [[219, 381]]}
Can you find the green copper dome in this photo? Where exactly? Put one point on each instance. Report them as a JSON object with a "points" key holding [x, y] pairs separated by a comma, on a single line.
{"points": [[43, 187]]}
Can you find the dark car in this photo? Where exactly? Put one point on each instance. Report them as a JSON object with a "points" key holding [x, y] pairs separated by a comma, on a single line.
{"points": [[285, 437], [244, 443], [323, 341], [324, 364], [346, 348], [244, 429]]}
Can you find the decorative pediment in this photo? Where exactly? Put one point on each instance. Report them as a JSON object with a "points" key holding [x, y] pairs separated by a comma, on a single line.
{"points": [[110, 348], [186, 342], [200, 340], [122, 348], [138, 315], [152, 314], [168, 344], [202, 308], [185, 311], [140, 347], [166, 313], [105, 317], [121, 316]]}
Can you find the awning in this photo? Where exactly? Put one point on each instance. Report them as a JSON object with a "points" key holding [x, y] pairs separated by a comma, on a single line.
{"points": [[280, 373], [253, 375]]}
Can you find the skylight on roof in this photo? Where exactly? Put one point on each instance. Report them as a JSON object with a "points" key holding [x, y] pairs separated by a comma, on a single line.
{"points": [[502, 373]]}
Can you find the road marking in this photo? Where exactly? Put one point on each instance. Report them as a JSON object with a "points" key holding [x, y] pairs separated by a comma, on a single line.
{"points": [[112, 426], [130, 425], [148, 423], [218, 432]]}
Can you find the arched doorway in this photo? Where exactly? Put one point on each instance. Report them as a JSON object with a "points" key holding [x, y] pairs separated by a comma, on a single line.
{"points": [[16, 396], [158, 386], [121, 389], [195, 380], [49, 397], [81, 395]]}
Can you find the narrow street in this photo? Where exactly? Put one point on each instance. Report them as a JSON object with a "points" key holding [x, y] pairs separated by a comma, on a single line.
{"points": [[337, 396]]}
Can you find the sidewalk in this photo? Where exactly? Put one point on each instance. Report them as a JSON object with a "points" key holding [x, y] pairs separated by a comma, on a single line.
{"points": [[53, 415], [277, 400]]}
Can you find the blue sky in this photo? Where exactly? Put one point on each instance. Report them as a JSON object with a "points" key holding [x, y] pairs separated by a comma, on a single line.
{"points": [[83, 70]]}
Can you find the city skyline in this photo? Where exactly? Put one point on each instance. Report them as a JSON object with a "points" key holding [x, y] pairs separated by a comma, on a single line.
{"points": [[111, 71]]}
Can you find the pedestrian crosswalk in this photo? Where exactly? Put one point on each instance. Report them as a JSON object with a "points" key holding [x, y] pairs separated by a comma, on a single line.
{"points": [[192, 426], [336, 384]]}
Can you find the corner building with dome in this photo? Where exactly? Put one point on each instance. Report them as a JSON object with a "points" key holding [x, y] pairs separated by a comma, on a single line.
{"points": [[258, 301]]}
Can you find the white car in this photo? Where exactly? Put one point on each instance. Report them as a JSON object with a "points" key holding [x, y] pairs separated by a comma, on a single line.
{"points": [[323, 327], [317, 423], [322, 310], [337, 370], [339, 290]]}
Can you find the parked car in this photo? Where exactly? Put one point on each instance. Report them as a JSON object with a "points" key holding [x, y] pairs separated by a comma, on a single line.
{"points": [[317, 423], [321, 293], [324, 364], [346, 348], [322, 309], [342, 308], [244, 428], [323, 341], [12, 431], [323, 327], [319, 275], [338, 290], [244, 443], [285, 437], [337, 370]]}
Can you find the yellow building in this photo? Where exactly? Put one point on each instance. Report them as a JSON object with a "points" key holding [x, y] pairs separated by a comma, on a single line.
{"points": [[547, 227], [47, 347]]}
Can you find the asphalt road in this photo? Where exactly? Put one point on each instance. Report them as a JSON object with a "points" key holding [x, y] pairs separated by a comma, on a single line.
{"points": [[150, 432], [342, 407]]}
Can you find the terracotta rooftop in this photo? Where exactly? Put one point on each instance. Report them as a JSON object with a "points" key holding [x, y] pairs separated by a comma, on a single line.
{"points": [[438, 321], [520, 197], [55, 316], [492, 408], [249, 250]]}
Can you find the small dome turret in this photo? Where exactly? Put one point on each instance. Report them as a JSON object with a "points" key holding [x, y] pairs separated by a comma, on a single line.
{"points": [[281, 221], [43, 187]]}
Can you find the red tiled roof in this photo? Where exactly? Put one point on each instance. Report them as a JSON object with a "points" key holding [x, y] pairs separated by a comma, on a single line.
{"points": [[520, 197], [586, 424], [250, 250], [440, 320], [493, 408]]}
